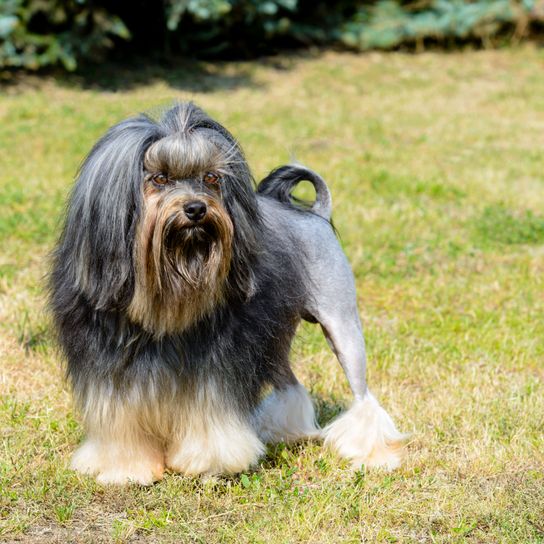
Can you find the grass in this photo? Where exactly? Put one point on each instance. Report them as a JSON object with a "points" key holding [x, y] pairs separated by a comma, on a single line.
{"points": [[436, 165]]}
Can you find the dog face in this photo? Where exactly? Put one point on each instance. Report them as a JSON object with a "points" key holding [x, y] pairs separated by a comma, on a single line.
{"points": [[184, 238], [162, 222]]}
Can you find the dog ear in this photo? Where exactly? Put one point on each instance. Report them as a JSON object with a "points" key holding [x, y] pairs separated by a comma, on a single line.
{"points": [[241, 204], [94, 254]]}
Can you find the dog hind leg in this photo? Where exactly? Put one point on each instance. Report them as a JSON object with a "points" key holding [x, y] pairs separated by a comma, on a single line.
{"points": [[286, 414], [365, 434]]}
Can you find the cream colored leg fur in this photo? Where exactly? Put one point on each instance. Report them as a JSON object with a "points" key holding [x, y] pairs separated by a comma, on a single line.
{"points": [[209, 437], [117, 449], [204, 437], [116, 462], [365, 434], [214, 443], [134, 440]]}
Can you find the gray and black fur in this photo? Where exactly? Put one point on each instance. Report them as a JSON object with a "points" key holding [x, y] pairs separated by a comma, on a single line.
{"points": [[245, 342], [277, 274]]}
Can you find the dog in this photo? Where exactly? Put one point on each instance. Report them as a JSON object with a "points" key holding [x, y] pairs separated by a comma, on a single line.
{"points": [[176, 290]]}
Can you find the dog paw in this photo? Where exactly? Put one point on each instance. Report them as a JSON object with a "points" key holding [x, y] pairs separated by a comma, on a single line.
{"points": [[186, 464], [115, 464], [136, 473], [227, 449], [87, 458], [365, 434]]}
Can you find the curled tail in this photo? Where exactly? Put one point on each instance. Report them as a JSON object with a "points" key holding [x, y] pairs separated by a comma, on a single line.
{"points": [[281, 181]]}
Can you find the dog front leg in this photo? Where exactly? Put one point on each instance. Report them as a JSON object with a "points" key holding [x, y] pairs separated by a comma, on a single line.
{"points": [[116, 449], [211, 434]]}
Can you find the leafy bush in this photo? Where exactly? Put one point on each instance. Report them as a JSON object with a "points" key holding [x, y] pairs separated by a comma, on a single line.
{"points": [[389, 24], [37, 33], [249, 26]]}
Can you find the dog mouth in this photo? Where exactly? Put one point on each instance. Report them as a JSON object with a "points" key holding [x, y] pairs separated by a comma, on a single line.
{"points": [[180, 233], [185, 249], [188, 246]]}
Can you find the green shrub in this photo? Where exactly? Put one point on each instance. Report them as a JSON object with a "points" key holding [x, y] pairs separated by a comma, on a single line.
{"points": [[36, 33], [389, 24]]}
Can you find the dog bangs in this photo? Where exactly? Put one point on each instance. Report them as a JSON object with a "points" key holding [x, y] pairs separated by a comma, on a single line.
{"points": [[184, 156]]}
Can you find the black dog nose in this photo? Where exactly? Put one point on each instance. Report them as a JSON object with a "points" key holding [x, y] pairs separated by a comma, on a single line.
{"points": [[195, 210]]}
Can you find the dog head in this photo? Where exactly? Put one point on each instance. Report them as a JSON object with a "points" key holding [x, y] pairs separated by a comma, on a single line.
{"points": [[162, 221]]}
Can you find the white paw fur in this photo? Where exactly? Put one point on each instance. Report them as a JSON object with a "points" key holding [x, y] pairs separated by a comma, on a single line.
{"points": [[365, 434], [216, 446], [286, 415], [117, 464]]}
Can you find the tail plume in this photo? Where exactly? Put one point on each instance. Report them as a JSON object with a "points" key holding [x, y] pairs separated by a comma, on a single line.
{"points": [[281, 181]]}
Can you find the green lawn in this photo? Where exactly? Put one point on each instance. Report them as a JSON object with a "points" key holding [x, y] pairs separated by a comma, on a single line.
{"points": [[436, 165]]}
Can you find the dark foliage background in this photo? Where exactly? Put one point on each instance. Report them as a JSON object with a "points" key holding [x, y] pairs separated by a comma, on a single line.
{"points": [[38, 33]]}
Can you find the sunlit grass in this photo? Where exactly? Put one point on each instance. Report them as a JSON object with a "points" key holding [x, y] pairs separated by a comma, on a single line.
{"points": [[436, 167]]}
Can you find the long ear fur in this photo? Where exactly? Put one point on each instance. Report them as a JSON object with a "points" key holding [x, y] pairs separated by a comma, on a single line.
{"points": [[94, 254]]}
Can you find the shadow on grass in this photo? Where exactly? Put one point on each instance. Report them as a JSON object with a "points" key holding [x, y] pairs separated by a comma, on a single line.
{"points": [[183, 74], [178, 73]]}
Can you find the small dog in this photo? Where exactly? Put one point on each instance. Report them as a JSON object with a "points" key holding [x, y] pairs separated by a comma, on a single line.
{"points": [[176, 290]]}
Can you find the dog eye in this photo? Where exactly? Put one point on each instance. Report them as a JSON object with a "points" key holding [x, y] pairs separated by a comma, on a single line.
{"points": [[160, 179], [211, 177]]}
